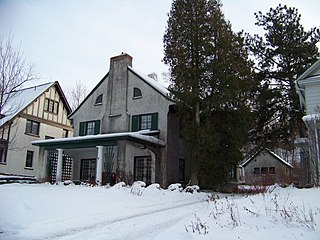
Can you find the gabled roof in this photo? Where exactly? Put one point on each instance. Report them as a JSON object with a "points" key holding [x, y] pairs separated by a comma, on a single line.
{"points": [[311, 74], [24, 97], [276, 156], [152, 83]]}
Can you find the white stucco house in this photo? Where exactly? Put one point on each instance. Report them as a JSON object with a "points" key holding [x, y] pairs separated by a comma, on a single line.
{"points": [[34, 113], [126, 129], [308, 88]]}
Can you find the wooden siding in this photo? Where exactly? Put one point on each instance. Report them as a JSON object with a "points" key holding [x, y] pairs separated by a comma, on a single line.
{"points": [[312, 95]]}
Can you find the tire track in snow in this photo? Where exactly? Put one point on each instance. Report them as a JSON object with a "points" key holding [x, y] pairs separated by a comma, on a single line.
{"points": [[108, 227]]}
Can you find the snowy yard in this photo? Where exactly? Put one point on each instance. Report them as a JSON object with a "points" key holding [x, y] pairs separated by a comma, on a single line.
{"points": [[44, 211]]}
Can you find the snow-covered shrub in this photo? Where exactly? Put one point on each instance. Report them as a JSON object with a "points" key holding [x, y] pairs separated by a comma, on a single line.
{"points": [[137, 188], [192, 189], [119, 185], [175, 187]]}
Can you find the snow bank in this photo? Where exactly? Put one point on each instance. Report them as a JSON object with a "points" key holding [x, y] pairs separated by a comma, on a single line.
{"points": [[44, 211]]}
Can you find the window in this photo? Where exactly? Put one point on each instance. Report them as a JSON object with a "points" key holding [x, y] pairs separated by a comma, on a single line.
{"points": [[48, 137], [89, 128], [88, 170], [145, 121], [32, 127], [29, 159], [272, 170], [2, 154], [99, 100], [256, 171], [51, 106], [137, 93], [142, 169], [264, 170], [65, 133]]}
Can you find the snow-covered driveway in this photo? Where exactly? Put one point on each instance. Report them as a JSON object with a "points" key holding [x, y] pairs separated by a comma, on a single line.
{"points": [[74, 212], [57, 212]]}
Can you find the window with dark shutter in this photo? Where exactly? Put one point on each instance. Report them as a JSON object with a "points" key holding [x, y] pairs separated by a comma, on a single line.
{"points": [[144, 121]]}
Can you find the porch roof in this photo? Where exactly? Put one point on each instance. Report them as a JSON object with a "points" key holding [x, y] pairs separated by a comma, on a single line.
{"points": [[110, 139]]}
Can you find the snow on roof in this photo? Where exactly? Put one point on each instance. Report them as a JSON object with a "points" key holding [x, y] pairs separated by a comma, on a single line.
{"points": [[136, 135], [272, 153], [21, 99], [311, 117], [160, 88]]}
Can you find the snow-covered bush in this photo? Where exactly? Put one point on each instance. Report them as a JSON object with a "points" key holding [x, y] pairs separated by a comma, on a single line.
{"points": [[175, 187], [119, 185], [137, 188], [192, 189]]}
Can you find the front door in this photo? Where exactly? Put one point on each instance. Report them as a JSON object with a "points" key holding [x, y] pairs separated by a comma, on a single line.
{"points": [[142, 169], [88, 170]]}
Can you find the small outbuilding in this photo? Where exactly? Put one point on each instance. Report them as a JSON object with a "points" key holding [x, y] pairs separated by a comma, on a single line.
{"points": [[266, 168]]}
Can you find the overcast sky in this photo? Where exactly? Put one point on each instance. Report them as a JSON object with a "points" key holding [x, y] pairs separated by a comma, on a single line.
{"points": [[73, 40]]}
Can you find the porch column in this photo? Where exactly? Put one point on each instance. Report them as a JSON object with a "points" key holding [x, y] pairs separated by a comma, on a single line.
{"points": [[99, 165], [59, 165]]}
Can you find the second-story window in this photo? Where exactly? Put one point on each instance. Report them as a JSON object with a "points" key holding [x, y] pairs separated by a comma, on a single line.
{"points": [[145, 121], [32, 127], [89, 128], [51, 106]]}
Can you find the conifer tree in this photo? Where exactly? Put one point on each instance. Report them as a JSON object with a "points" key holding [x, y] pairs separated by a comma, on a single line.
{"points": [[210, 80], [284, 52]]}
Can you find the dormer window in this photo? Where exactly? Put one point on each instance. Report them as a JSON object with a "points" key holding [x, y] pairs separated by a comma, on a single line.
{"points": [[99, 100], [137, 93]]}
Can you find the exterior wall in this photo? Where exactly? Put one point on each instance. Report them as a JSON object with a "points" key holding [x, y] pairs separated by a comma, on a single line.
{"points": [[90, 111], [21, 143], [312, 95], [51, 125], [264, 159]]}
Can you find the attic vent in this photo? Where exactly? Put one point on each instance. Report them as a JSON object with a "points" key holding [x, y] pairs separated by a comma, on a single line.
{"points": [[137, 92]]}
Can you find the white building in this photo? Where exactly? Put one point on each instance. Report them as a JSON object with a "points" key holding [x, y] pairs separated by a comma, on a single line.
{"points": [[34, 113], [308, 88]]}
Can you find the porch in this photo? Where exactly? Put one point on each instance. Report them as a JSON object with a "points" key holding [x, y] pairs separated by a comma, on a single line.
{"points": [[101, 159]]}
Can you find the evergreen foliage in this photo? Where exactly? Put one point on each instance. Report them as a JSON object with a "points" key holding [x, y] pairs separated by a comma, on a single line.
{"points": [[211, 81], [284, 52]]}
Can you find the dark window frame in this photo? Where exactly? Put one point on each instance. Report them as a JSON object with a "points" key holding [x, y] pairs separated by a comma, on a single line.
{"points": [[264, 171], [142, 169], [272, 170], [29, 160], [51, 106], [89, 128], [256, 171], [137, 93], [99, 100], [32, 127], [139, 122]]}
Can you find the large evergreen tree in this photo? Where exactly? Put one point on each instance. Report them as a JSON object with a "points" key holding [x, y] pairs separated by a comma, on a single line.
{"points": [[210, 80], [284, 52]]}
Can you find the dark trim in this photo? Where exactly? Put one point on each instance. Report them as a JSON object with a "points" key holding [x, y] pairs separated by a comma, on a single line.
{"points": [[79, 142], [45, 121]]}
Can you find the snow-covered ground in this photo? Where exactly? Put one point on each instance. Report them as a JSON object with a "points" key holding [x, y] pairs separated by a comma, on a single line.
{"points": [[44, 211]]}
